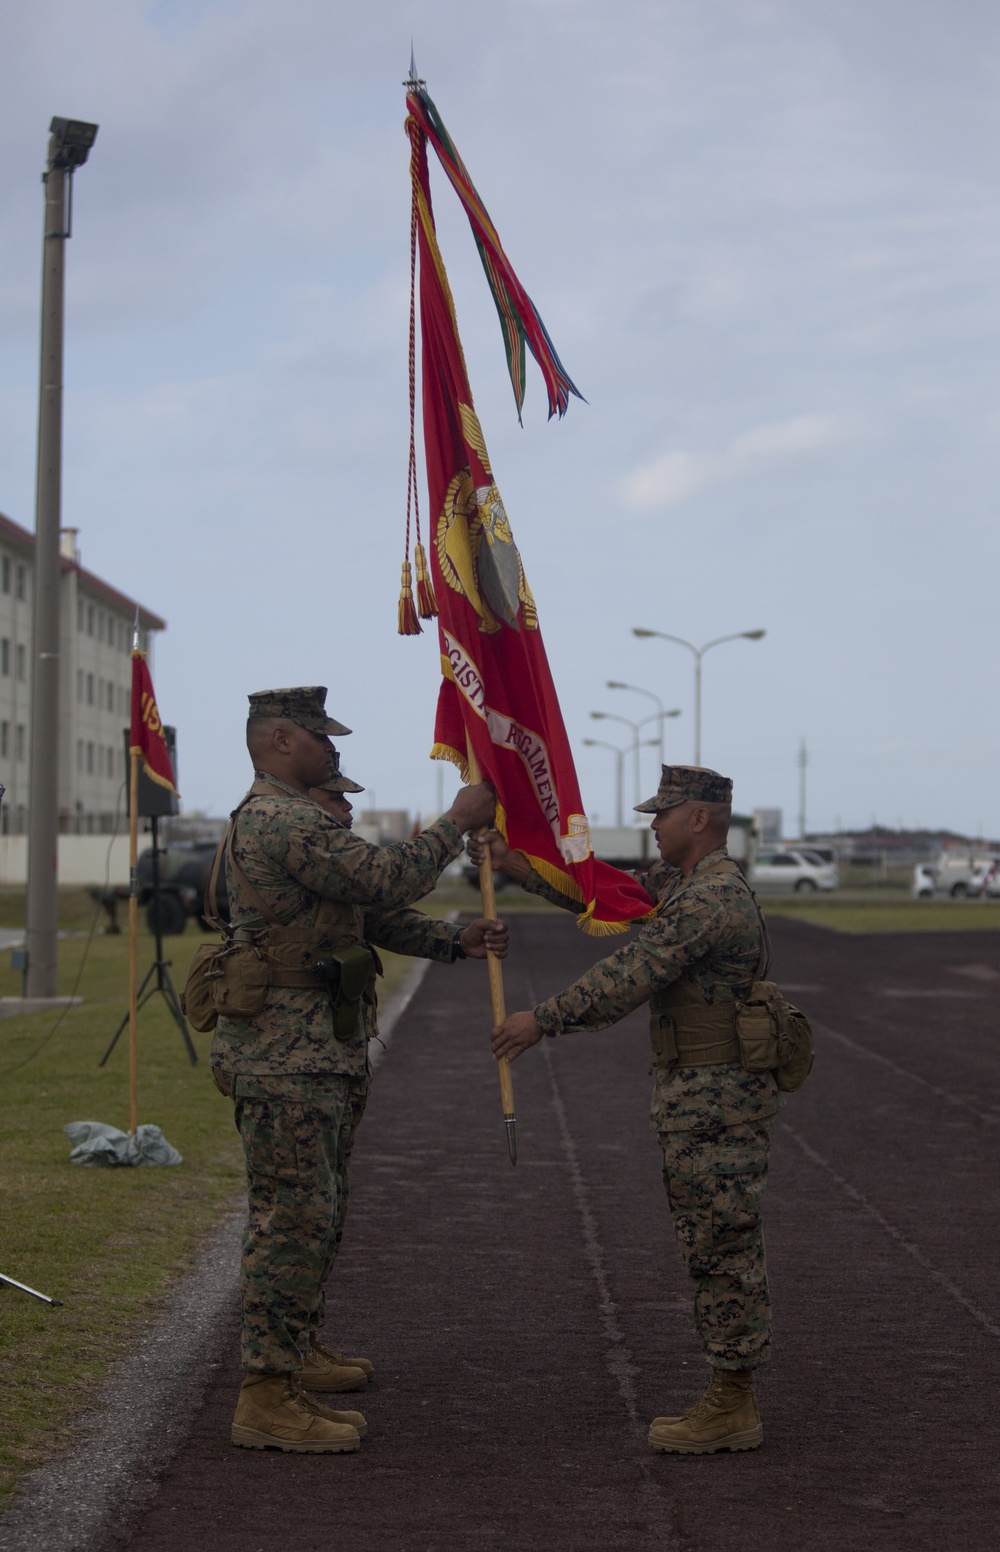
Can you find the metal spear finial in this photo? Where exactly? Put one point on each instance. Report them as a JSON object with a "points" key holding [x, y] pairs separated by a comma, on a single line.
{"points": [[511, 1126], [414, 79]]}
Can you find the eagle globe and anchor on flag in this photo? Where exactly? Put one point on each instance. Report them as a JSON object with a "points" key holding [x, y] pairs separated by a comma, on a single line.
{"points": [[475, 545]]}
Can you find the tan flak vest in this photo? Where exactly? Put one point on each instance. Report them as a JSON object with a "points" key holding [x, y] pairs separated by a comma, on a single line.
{"points": [[232, 980], [336, 925], [684, 1029]]}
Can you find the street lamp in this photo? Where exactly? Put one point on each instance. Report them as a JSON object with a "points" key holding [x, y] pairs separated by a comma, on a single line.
{"points": [[600, 743], [699, 653], [616, 684], [69, 147], [611, 716]]}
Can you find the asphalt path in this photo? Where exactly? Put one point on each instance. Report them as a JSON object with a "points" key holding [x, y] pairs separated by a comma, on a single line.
{"points": [[527, 1323]]}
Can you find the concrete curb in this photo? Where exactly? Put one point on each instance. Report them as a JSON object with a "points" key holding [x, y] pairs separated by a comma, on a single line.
{"points": [[138, 1414]]}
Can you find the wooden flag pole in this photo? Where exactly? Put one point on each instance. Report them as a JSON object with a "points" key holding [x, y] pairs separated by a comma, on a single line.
{"points": [[495, 970], [133, 942]]}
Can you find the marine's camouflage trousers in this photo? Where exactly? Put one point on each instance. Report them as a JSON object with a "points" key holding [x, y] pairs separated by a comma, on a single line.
{"points": [[298, 1133], [715, 1179]]}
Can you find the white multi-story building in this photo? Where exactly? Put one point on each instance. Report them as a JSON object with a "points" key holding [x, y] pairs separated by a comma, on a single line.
{"points": [[95, 676]]}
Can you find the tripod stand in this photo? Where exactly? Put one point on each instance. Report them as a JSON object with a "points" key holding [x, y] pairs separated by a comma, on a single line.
{"points": [[160, 968]]}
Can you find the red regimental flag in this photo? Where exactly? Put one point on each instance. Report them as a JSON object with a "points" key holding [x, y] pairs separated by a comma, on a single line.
{"points": [[146, 732], [497, 698]]}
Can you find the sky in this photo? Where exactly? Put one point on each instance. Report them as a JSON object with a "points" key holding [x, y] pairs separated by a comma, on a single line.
{"points": [[764, 238]]}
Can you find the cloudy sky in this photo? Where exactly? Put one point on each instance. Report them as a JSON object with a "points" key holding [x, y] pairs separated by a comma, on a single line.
{"points": [[764, 235]]}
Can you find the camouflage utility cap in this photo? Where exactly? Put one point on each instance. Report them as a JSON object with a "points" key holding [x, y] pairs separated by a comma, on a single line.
{"points": [[687, 784], [338, 782], [306, 705]]}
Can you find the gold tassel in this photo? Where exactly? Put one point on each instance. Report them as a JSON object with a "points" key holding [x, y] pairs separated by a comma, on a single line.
{"points": [[426, 602], [409, 625]]}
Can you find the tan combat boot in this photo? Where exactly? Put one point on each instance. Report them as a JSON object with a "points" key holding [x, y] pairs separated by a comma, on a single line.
{"points": [[326, 1370], [726, 1418], [351, 1419], [271, 1414]]}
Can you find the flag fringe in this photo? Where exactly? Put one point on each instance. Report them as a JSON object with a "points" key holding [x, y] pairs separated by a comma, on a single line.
{"points": [[409, 625], [568, 886], [601, 929], [426, 602], [446, 752]]}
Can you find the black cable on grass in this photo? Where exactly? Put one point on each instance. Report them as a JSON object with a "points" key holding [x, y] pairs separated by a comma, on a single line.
{"points": [[5, 1072]]}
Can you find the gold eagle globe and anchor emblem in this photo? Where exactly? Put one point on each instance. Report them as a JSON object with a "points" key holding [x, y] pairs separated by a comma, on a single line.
{"points": [[475, 546]]}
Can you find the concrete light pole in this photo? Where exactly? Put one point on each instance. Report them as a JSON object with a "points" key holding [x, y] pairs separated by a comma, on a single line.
{"points": [[69, 145], [699, 653]]}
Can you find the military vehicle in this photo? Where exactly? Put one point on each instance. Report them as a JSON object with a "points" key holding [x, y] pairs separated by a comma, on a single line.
{"points": [[185, 869]]}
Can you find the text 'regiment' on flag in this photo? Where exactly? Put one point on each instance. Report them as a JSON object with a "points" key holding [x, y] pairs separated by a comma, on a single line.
{"points": [[146, 730], [497, 700]]}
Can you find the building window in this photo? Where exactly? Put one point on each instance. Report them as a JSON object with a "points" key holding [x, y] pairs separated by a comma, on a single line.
{"points": [[5, 574], [111, 696], [90, 689], [90, 619], [79, 684], [21, 663], [4, 739], [22, 578], [79, 614], [19, 742], [90, 759], [5, 656], [79, 755]]}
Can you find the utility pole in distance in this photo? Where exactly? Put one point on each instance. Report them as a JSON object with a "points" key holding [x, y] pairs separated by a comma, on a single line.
{"points": [[803, 762], [69, 144]]}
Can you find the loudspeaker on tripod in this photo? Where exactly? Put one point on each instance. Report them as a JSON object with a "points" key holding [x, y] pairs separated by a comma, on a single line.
{"points": [[155, 802]]}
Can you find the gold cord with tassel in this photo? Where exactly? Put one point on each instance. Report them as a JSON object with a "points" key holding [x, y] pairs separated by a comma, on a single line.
{"points": [[426, 602], [409, 625]]}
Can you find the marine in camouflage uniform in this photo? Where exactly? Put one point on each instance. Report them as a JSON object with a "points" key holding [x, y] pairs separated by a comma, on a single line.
{"points": [[298, 1069], [691, 962]]}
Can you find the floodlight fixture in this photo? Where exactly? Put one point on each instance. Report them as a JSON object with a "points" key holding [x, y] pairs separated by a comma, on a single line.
{"points": [[71, 142]]}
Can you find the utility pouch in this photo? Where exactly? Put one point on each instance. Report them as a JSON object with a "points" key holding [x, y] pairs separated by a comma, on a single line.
{"points": [[774, 1036], [197, 1000], [231, 980], [347, 975], [240, 977], [663, 1038]]}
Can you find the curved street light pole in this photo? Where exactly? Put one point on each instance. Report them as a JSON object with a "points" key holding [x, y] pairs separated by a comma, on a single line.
{"points": [[699, 653], [611, 716], [600, 743], [617, 684]]}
